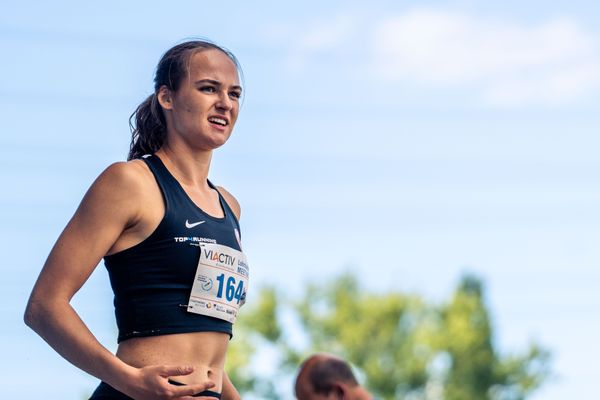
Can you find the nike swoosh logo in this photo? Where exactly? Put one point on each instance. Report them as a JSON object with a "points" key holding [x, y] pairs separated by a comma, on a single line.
{"points": [[188, 225]]}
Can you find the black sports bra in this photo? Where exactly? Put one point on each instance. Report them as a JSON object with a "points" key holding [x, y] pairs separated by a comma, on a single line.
{"points": [[152, 280]]}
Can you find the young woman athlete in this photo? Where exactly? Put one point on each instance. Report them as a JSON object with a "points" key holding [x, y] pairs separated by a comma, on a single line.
{"points": [[170, 241]]}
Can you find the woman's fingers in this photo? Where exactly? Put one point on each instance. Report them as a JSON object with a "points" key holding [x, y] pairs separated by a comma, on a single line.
{"points": [[188, 391], [157, 382], [175, 370]]}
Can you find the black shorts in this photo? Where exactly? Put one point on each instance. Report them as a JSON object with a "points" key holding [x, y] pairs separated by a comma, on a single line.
{"points": [[106, 392]]}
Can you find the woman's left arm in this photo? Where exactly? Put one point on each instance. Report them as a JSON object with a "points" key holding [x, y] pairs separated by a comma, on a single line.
{"points": [[229, 392], [231, 202]]}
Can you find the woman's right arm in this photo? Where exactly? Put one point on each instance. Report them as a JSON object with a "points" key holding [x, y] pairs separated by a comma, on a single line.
{"points": [[111, 206]]}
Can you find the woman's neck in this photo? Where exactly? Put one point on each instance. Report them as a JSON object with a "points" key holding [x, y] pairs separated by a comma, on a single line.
{"points": [[189, 167]]}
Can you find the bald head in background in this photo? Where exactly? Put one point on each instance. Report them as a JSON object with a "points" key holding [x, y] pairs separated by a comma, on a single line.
{"points": [[327, 377]]}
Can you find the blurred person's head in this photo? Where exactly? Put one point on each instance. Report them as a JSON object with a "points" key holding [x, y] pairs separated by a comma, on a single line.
{"points": [[326, 377]]}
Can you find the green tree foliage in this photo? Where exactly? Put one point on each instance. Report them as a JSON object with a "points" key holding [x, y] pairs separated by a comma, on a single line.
{"points": [[468, 342], [388, 336], [403, 346], [256, 328]]}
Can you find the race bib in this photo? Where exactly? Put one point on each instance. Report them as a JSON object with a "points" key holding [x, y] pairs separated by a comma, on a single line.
{"points": [[221, 282]]}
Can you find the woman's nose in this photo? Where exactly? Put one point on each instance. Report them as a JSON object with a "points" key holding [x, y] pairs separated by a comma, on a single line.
{"points": [[224, 102]]}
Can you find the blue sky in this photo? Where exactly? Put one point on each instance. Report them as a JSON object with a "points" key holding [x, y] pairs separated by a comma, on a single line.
{"points": [[457, 135]]}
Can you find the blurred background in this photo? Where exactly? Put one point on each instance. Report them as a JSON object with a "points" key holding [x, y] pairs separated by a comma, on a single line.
{"points": [[426, 172]]}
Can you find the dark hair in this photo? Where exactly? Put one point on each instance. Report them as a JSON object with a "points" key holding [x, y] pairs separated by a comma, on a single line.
{"points": [[147, 123], [326, 372]]}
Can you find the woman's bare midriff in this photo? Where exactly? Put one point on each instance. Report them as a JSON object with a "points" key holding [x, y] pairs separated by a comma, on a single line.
{"points": [[203, 350]]}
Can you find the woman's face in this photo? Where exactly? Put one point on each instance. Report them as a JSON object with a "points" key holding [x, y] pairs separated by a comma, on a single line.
{"points": [[203, 111]]}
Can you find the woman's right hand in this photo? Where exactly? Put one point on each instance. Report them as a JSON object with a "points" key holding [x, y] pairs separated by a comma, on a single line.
{"points": [[152, 383]]}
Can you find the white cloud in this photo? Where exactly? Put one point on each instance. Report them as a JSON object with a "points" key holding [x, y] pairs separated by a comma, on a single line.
{"points": [[503, 62], [510, 64], [320, 37]]}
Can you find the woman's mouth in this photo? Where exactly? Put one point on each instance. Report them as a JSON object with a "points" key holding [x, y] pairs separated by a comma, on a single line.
{"points": [[220, 121]]}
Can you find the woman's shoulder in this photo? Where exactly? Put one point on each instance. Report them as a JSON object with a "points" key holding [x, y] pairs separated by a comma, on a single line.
{"points": [[129, 174], [123, 179], [231, 201], [114, 201]]}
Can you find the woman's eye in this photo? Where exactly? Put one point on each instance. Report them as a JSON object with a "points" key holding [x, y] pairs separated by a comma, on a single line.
{"points": [[235, 95], [207, 89]]}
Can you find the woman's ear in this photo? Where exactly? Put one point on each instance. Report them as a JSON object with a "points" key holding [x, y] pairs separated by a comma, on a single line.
{"points": [[165, 98], [337, 392]]}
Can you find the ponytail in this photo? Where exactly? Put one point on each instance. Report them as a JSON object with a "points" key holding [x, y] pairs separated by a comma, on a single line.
{"points": [[148, 128]]}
